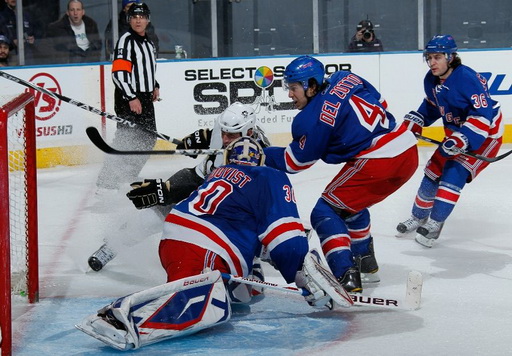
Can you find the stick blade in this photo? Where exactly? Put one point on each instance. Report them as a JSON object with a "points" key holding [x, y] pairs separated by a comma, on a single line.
{"points": [[413, 291], [95, 137]]}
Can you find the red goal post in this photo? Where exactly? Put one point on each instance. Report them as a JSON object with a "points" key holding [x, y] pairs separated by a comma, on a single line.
{"points": [[19, 276]]}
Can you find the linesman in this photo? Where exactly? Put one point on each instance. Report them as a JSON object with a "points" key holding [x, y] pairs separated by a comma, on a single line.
{"points": [[136, 88]]}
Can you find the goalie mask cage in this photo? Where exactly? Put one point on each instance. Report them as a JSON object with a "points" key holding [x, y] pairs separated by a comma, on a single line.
{"points": [[19, 278]]}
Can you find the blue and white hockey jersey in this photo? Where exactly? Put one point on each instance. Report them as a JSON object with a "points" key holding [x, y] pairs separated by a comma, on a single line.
{"points": [[236, 211], [464, 104], [347, 120]]}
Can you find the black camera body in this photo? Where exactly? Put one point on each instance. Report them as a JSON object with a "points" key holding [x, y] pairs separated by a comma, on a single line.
{"points": [[367, 34]]}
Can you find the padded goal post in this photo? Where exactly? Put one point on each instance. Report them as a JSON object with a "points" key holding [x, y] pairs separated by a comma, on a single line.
{"points": [[19, 279]]}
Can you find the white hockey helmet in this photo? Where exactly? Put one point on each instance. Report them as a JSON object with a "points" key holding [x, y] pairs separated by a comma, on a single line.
{"points": [[237, 118]]}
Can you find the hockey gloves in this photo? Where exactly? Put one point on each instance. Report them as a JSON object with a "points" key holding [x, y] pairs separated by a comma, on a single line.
{"points": [[200, 139], [454, 145], [413, 121], [149, 193]]}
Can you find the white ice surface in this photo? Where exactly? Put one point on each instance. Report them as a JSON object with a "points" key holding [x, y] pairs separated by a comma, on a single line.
{"points": [[467, 294]]}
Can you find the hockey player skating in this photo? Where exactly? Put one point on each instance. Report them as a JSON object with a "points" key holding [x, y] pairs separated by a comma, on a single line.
{"points": [[241, 207], [343, 119], [472, 122], [237, 120]]}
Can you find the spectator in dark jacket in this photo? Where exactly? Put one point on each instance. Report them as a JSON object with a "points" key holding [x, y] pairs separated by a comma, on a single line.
{"points": [[74, 38], [124, 26], [8, 29], [5, 47]]}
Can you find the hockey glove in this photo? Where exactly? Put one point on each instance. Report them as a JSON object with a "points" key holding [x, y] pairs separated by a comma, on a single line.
{"points": [[149, 193], [200, 139], [414, 122], [454, 145]]}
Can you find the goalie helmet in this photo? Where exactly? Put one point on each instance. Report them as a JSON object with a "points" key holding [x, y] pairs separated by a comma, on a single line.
{"points": [[138, 9], [237, 118], [303, 68], [244, 151]]}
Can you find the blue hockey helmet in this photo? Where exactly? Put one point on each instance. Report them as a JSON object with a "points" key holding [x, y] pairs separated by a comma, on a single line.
{"points": [[301, 69], [244, 151], [441, 44]]}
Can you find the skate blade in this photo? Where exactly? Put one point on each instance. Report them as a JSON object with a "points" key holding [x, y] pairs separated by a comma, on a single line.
{"points": [[403, 234], [370, 277], [424, 241]]}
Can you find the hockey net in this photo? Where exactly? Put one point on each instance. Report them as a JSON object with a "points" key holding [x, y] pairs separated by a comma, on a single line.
{"points": [[19, 281]]}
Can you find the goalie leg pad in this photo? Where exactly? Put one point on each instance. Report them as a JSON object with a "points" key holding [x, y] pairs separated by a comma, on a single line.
{"points": [[174, 309]]}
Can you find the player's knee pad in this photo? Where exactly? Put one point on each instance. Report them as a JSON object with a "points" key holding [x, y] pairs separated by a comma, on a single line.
{"points": [[323, 210]]}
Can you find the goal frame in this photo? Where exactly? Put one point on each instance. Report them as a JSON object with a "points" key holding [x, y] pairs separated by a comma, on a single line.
{"points": [[23, 101]]}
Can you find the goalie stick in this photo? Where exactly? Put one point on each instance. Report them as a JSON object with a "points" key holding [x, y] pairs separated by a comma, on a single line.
{"points": [[412, 299], [95, 137], [85, 106], [470, 154]]}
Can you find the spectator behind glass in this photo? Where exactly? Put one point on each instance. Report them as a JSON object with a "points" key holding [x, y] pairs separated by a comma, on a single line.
{"points": [[365, 39], [8, 29], [74, 38], [124, 26], [5, 47]]}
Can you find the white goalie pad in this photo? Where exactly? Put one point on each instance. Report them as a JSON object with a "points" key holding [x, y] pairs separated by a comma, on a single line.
{"points": [[321, 278], [170, 310]]}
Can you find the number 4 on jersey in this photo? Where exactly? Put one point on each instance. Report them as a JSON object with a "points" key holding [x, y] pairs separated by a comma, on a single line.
{"points": [[369, 115]]}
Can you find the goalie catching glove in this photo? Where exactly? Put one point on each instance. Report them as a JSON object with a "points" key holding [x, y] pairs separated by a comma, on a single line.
{"points": [[150, 192]]}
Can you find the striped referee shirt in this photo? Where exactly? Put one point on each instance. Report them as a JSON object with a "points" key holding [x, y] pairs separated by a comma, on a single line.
{"points": [[134, 65]]}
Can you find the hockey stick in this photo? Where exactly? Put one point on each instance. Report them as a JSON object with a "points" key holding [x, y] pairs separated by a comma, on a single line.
{"points": [[84, 106], [95, 137], [412, 299], [470, 154]]}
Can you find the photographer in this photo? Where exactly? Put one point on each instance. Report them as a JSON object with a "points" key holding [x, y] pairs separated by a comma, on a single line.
{"points": [[365, 40]]}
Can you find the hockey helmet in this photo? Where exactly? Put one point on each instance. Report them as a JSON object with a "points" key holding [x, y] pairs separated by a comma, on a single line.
{"points": [[237, 118], [441, 44], [138, 9], [301, 69], [244, 151]]}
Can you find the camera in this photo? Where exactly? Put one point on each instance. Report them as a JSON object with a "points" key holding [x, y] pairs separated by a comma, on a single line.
{"points": [[367, 34]]}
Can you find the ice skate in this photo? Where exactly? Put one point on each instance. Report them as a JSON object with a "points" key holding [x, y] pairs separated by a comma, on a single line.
{"points": [[409, 225], [428, 233], [101, 257], [368, 266], [351, 281]]}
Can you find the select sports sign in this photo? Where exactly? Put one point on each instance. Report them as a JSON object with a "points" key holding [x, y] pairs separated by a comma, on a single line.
{"points": [[204, 89]]}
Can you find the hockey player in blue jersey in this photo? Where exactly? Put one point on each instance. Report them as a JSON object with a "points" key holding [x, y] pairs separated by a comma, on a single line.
{"points": [[343, 119], [220, 228], [472, 122], [239, 208]]}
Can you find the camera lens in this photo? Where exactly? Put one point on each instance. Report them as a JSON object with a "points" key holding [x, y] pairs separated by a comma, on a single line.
{"points": [[367, 34]]}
